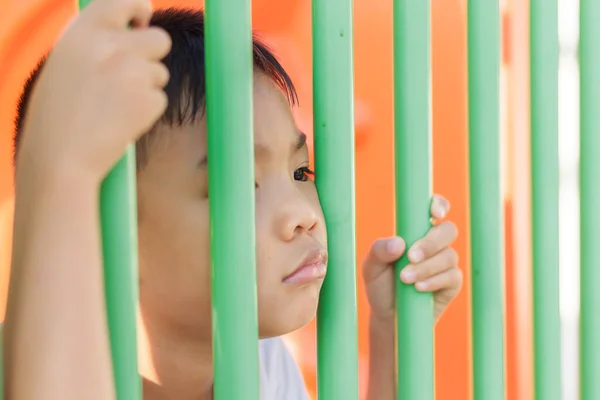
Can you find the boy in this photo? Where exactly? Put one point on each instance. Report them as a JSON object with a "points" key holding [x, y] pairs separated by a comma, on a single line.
{"points": [[104, 86]]}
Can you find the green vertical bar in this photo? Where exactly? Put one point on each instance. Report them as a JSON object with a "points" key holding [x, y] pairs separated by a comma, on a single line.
{"points": [[487, 244], [333, 88], [589, 58], [118, 210], [413, 192], [544, 197], [232, 204]]}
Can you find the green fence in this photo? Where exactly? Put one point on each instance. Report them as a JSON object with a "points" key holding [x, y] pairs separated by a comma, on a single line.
{"points": [[229, 91]]}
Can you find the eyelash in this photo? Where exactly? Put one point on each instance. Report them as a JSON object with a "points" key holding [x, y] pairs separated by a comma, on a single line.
{"points": [[305, 174]]}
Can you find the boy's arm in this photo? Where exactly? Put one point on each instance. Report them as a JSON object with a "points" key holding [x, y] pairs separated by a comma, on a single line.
{"points": [[55, 339], [100, 89], [382, 360], [433, 268]]}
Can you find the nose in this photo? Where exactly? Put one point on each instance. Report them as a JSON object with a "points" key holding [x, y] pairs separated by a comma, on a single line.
{"points": [[295, 215]]}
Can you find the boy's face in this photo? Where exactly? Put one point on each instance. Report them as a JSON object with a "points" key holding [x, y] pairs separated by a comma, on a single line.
{"points": [[174, 223]]}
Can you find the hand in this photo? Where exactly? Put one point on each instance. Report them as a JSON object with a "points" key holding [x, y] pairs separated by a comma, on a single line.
{"points": [[433, 267], [99, 89]]}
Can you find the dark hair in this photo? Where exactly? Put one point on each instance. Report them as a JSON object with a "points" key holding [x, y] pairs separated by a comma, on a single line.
{"points": [[186, 89]]}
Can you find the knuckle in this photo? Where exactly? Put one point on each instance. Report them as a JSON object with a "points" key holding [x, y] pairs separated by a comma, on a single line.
{"points": [[451, 228], [427, 244], [124, 5], [163, 39], [453, 256], [156, 101], [158, 40], [132, 4], [164, 74], [153, 106], [458, 277], [130, 74], [160, 102], [109, 53], [423, 273]]}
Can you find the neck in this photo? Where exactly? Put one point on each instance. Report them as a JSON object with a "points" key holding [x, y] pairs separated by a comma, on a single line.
{"points": [[174, 365]]}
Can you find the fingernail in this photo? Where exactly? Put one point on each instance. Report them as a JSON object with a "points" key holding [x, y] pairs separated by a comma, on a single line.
{"points": [[441, 211], [408, 276], [395, 245], [421, 286], [416, 255]]}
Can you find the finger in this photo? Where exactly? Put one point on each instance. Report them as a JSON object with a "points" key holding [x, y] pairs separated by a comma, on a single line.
{"points": [[155, 104], [144, 74], [442, 261], [440, 207], [438, 238], [153, 43], [382, 253], [119, 13], [159, 74], [449, 280]]}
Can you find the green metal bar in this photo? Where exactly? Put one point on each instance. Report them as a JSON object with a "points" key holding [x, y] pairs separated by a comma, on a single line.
{"points": [[333, 88], [544, 196], [118, 210], [487, 253], [232, 204], [589, 58], [412, 106]]}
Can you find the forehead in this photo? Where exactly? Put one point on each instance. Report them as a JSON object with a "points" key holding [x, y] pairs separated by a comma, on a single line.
{"points": [[274, 126], [273, 120]]}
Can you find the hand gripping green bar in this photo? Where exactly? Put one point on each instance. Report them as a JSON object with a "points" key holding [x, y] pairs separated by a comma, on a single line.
{"points": [[412, 107]]}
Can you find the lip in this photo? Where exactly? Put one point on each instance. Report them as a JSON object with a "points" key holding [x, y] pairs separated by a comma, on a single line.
{"points": [[313, 267]]}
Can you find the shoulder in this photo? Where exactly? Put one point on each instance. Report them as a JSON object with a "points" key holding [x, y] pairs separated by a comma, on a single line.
{"points": [[280, 377]]}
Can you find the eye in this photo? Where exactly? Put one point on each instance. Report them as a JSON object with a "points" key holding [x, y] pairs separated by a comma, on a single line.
{"points": [[303, 174]]}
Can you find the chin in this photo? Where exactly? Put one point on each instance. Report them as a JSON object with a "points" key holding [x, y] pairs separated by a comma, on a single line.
{"points": [[289, 314]]}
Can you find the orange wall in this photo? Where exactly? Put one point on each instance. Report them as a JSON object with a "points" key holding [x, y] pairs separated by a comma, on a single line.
{"points": [[450, 154], [519, 269], [286, 26]]}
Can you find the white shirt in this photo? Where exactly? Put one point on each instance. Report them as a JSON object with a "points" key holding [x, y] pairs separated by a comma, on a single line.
{"points": [[280, 378]]}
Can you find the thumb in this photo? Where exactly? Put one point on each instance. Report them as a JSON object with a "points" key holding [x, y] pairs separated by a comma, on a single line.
{"points": [[119, 13], [383, 253]]}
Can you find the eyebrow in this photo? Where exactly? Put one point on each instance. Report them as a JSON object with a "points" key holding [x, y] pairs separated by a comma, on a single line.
{"points": [[298, 145]]}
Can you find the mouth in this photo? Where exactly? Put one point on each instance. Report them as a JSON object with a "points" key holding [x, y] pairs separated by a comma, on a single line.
{"points": [[312, 268]]}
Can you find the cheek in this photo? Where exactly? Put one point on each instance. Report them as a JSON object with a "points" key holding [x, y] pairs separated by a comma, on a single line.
{"points": [[174, 258], [283, 308], [269, 270]]}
